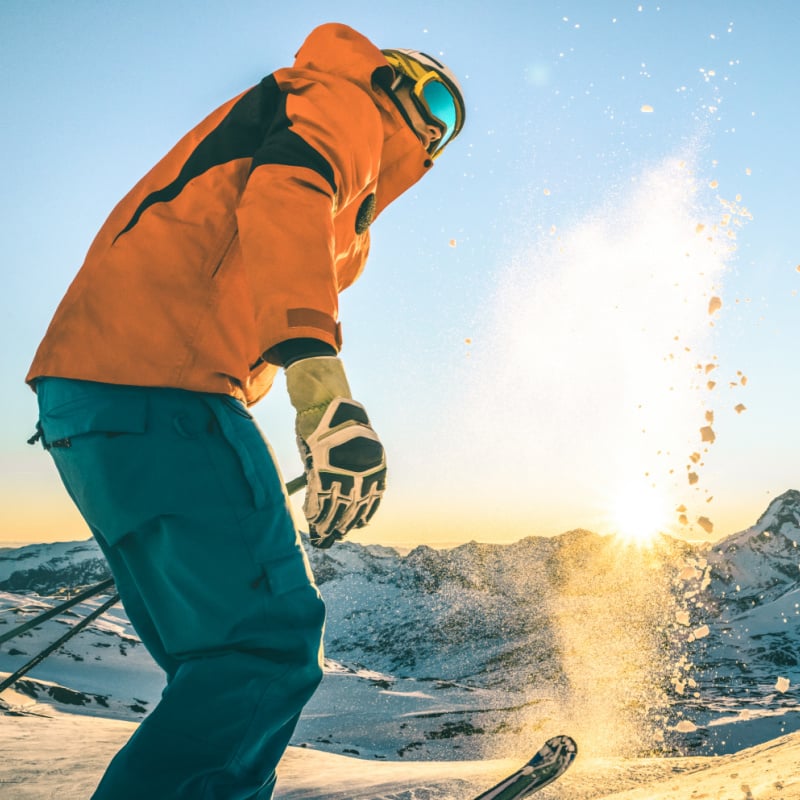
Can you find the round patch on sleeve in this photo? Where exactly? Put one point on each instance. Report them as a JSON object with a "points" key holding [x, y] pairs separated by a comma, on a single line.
{"points": [[366, 213]]}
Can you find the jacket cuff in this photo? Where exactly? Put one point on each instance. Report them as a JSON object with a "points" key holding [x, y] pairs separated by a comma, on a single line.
{"points": [[287, 352]]}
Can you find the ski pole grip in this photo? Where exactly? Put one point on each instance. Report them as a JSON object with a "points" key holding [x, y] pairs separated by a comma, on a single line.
{"points": [[296, 484]]}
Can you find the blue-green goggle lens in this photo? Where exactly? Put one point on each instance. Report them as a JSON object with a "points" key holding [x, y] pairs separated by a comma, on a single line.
{"points": [[441, 104]]}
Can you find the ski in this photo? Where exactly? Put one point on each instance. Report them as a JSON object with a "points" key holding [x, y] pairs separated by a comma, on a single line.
{"points": [[551, 762]]}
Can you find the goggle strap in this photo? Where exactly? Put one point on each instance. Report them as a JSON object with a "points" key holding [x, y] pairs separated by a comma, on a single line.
{"points": [[398, 79]]}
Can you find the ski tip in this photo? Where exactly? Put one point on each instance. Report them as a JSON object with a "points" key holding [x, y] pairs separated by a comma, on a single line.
{"points": [[565, 747], [551, 761]]}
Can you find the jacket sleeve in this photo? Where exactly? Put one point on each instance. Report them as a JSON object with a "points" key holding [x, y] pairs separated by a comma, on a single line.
{"points": [[320, 153]]}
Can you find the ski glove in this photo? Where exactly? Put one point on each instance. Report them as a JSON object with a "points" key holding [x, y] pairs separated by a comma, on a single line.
{"points": [[345, 470], [345, 463]]}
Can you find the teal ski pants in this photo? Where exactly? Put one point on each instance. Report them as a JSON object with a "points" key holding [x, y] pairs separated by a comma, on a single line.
{"points": [[182, 493]]}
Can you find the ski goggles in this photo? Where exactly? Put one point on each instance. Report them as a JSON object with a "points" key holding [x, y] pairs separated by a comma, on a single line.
{"points": [[437, 103]]}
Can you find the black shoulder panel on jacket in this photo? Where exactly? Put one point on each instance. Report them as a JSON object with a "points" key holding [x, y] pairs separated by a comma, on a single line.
{"points": [[283, 146], [255, 127]]}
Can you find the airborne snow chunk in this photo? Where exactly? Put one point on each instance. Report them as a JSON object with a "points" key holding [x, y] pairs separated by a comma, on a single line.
{"points": [[701, 632]]}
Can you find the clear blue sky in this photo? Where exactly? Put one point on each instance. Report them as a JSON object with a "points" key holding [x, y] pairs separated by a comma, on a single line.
{"points": [[512, 336]]}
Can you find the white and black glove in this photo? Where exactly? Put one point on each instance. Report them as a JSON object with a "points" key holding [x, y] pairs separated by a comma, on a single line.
{"points": [[345, 463]]}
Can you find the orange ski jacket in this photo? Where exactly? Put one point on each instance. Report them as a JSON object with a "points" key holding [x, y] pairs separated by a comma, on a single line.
{"points": [[243, 235]]}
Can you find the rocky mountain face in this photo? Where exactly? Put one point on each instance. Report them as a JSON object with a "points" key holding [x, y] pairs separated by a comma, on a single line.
{"points": [[49, 569], [652, 636], [749, 662], [762, 563]]}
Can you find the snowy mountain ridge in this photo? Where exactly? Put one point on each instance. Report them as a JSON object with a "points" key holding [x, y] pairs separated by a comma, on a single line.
{"points": [[49, 568], [763, 562], [765, 556]]}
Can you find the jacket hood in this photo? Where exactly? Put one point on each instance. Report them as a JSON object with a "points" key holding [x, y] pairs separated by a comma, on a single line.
{"points": [[338, 50], [346, 53]]}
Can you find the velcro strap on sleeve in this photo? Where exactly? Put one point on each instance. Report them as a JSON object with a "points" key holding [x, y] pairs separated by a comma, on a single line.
{"points": [[312, 318]]}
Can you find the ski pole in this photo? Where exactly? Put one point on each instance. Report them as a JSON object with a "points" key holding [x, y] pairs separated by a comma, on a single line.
{"points": [[79, 626], [295, 484], [52, 612]]}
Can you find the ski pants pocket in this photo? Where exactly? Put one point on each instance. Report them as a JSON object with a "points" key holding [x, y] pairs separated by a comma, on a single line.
{"points": [[68, 409], [286, 574], [294, 610]]}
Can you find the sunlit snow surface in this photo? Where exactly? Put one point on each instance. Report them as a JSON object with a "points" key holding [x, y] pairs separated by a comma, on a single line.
{"points": [[63, 755]]}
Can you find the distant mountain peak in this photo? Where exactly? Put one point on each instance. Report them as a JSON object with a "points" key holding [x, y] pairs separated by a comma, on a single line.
{"points": [[782, 515]]}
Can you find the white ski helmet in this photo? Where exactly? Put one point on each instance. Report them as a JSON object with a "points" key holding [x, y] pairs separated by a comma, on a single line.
{"points": [[435, 91]]}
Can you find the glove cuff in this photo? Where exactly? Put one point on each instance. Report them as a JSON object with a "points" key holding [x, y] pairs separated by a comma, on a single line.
{"points": [[312, 383]]}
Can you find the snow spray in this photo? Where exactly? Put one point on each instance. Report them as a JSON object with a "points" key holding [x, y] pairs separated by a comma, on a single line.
{"points": [[596, 368]]}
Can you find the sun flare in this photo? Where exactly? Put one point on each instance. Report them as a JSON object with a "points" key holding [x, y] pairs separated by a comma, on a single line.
{"points": [[639, 514]]}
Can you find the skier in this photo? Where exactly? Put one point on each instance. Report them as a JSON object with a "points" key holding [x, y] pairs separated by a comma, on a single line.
{"points": [[222, 265]]}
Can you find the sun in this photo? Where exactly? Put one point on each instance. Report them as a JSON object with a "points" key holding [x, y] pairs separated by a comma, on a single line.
{"points": [[639, 513]]}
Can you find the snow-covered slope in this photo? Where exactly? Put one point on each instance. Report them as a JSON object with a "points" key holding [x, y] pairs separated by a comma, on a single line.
{"points": [[747, 608], [105, 670], [63, 755]]}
